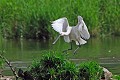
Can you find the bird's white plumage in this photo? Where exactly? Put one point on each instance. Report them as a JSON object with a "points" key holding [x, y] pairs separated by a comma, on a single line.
{"points": [[66, 38], [81, 41], [78, 33], [57, 27], [62, 26], [58, 24], [84, 31]]}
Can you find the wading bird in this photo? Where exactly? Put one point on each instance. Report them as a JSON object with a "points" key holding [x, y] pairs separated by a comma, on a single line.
{"points": [[78, 33]]}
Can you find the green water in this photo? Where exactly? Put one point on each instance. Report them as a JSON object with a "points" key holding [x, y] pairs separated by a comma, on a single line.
{"points": [[106, 51]]}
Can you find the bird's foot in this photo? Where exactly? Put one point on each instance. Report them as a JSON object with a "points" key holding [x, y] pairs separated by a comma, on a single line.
{"points": [[74, 52], [65, 51]]}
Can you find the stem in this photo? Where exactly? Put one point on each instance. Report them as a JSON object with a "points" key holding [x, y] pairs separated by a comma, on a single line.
{"points": [[11, 67]]}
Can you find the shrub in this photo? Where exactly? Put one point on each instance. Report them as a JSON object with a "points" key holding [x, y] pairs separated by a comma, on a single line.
{"points": [[90, 71], [54, 66]]}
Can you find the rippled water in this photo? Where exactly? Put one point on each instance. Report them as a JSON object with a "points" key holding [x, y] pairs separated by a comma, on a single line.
{"points": [[106, 51]]}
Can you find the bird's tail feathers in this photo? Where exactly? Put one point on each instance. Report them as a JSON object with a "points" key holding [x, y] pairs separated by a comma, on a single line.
{"points": [[81, 41]]}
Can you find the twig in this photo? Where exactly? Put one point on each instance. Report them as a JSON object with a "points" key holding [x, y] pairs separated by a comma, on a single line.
{"points": [[11, 67]]}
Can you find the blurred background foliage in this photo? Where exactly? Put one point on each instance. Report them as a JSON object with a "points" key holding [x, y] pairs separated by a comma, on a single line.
{"points": [[31, 18]]}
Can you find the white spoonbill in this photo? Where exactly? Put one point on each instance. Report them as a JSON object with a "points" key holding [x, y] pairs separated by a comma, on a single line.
{"points": [[78, 33]]}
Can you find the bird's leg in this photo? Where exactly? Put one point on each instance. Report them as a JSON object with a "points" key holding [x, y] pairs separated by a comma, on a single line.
{"points": [[56, 39], [70, 46], [77, 48], [65, 51]]}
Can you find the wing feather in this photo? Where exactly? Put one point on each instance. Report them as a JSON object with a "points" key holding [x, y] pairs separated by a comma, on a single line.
{"points": [[84, 33], [60, 25]]}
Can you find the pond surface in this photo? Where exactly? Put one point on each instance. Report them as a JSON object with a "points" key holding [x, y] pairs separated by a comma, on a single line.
{"points": [[106, 51]]}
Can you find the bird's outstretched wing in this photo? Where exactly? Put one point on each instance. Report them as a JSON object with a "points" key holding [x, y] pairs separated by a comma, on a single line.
{"points": [[83, 28], [60, 25]]}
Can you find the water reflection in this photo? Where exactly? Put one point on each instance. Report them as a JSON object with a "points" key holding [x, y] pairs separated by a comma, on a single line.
{"points": [[104, 50]]}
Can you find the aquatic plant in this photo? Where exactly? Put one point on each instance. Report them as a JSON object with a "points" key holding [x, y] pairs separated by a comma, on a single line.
{"points": [[31, 19]]}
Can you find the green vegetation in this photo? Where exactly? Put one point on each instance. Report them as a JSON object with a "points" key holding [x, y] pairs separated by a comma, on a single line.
{"points": [[31, 18], [116, 77], [90, 70], [54, 66], [1, 63]]}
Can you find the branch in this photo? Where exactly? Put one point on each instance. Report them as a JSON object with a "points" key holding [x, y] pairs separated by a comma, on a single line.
{"points": [[11, 67]]}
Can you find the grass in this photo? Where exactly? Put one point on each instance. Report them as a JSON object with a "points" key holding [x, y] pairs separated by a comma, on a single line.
{"points": [[31, 18]]}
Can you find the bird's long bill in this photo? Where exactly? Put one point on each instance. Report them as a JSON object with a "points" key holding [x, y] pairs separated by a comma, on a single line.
{"points": [[56, 39]]}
